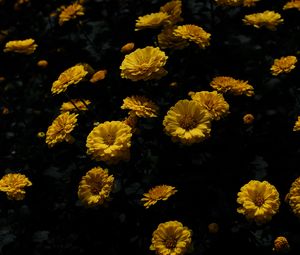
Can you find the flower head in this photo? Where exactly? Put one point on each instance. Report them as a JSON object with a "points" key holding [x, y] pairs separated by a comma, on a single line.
{"points": [[160, 192], [213, 102], [153, 20], [13, 185], [292, 4], [259, 201], [249, 3], [26, 47], [95, 187], [293, 197], [248, 118], [110, 142], [281, 244], [173, 9], [283, 65], [98, 76], [127, 48], [144, 64], [187, 122], [61, 128], [171, 238], [268, 19], [225, 84], [297, 125], [70, 12], [166, 39], [75, 105]]}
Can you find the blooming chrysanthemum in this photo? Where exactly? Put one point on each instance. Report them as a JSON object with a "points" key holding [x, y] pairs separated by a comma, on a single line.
{"points": [[259, 201], [72, 75], [13, 185], [98, 76], [292, 4], [225, 84], [293, 197], [173, 8], [110, 142], [283, 65], [194, 34], [127, 48], [171, 238], [213, 102], [141, 106], [95, 187], [297, 125], [160, 192], [281, 244], [144, 64], [153, 20], [75, 105], [268, 19], [61, 128], [248, 118], [26, 47], [229, 2], [70, 12], [187, 122], [166, 39]]}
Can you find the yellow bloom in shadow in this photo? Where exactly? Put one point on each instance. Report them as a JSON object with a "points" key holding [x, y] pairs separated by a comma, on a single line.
{"points": [[293, 197], [283, 65], [174, 10], [297, 125], [292, 4], [26, 47], [153, 20], [160, 192], [281, 244], [75, 105], [166, 39], [267, 19], [70, 12]]}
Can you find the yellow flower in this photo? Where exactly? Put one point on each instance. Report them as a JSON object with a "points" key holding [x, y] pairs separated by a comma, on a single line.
{"points": [[229, 2], [187, 122], [248, 118], [75, 105], [281, 244], [173, 8], [297, 125], [213, 102], [292, 4], [153, 20], [225, 84], [70, 12], [171, 238], [160, 192], [42, 63], [131, 121], [194, 34], [26, 47], [166, 39], [249, 3], [144, 64], [283, 65], [127, 48], [293, 197], [72, 75], [259, 201], [95, 187], [268, 19], [141, 106], [98, 76], [110, 142], [61, 128], [13, 185]]}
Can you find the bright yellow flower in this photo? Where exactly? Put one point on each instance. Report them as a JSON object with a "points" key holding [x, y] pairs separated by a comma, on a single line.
{"points": [[293, 197], [173, 8], [144, 64], [72, 75], [248, 118], [13, 185], [141, 106], [95, 187], [297, 125], [26, 47], [98, 76], [268, 19], [194, 34], [281, 244], [213, 102], [160, 192], [283, 65], [153, 20], [229, 2], [75, 105], [292, 4], [225, 84], [61, 128], [166, 39], [110, 142], [187, 122], [70, 12], [127, 48], [259, 201], [171, 238]]}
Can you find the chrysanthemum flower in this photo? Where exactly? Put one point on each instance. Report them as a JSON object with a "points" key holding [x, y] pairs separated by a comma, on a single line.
{"points": [[173, 8], [194, 34], [153, 20], [72, 75], [61, 128], [95, 187], [141, 106], [98, 76], [229, 2], [283, 65], [110, 142], [293, 197], [248, 118], [171, 238], [268, 19], [281, 244], [75, 105], [166, 39], [13, 185], [144, 64], [160, 192], [70, 12], [292, 4], [259, 201], [225, 84], [187, 122], [26, 47], [127, 48], [213, 102], [297, 125]]}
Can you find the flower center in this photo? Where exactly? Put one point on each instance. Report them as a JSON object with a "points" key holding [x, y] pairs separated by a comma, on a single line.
{"points": [[187, 122], [110, 139], [259, 200], [96, 187], [171, 243]]}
